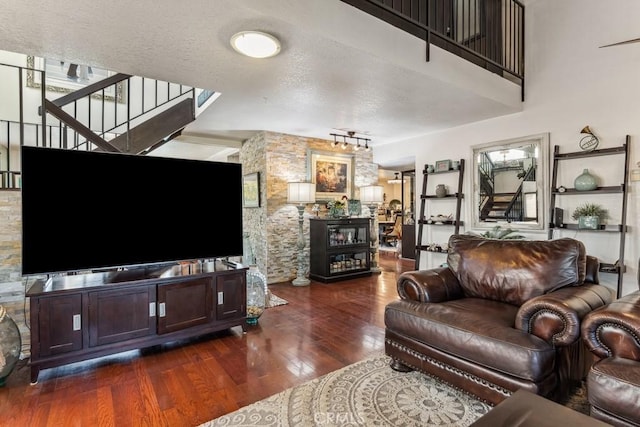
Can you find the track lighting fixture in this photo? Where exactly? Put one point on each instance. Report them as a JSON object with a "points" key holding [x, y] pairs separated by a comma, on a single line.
{"points": [[334, 144], [351, 136]]}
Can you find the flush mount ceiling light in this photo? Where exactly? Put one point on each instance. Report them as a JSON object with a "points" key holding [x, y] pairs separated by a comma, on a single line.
{"points": [[255, 44]]}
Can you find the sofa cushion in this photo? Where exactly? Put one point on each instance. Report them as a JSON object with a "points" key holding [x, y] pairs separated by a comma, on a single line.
{"points": [[515, 271], [476, 330]]}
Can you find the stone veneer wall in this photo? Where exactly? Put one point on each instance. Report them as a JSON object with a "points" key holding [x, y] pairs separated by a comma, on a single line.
{"points": [[281, 159], [253, 160], [12, 288]]}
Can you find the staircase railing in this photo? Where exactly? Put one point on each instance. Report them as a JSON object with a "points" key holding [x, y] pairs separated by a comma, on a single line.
{"points": [[485, 168], [515, 209], [489, 33], [85, 119], [82, 112]]}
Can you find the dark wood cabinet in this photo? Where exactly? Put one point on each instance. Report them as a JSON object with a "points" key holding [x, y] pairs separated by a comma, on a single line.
{"points": [[339, 248], [120, 314], [229, 303], [60, 330], [79, 317], [184, 304]]}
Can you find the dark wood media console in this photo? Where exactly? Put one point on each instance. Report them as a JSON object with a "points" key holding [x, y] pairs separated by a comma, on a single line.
{"points": [[80, 317]]}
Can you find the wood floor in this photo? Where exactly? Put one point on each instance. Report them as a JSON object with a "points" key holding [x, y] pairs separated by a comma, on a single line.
{"points": [[323, 328]]}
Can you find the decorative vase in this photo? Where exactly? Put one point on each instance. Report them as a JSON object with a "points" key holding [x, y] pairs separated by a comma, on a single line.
{"points": [[256, 294], [336, 212], [591, 222], [441, 190], [585, 181], [10, 345]]}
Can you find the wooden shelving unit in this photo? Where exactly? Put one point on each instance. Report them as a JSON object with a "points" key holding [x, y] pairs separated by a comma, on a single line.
{"points": [[621, 229], [456, 223]]}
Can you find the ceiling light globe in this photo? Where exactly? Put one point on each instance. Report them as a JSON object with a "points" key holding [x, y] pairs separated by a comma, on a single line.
{"points": [[255, 44]]}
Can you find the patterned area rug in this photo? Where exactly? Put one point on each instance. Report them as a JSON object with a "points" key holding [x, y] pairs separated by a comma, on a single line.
{"points": [[367, 393], [370, 393], [275, 301]]}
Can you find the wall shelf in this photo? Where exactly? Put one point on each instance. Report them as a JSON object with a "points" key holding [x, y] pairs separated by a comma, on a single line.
{"points": [[456, 223], [621, 229]]}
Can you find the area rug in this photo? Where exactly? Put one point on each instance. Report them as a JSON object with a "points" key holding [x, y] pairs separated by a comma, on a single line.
{"points": [[274, 301], [367, 393], [370, 393]]}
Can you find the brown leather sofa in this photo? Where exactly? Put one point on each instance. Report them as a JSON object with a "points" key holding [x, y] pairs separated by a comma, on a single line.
{"points": [[612, 334], [504, 315]]}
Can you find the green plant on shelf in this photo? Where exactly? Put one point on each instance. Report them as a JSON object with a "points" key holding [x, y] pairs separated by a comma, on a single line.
{"points": [[590, 209]]}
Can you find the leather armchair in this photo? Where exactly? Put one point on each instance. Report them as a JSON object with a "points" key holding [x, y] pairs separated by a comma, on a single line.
{"points": [[503, 315], [612, 334]]}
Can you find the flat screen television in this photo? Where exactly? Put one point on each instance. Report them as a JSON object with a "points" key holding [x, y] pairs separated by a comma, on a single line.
{"points": [[87, 210]]}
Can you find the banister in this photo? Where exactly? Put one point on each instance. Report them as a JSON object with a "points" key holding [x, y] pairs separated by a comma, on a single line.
{"points": [[81, 129], [90, 89]]}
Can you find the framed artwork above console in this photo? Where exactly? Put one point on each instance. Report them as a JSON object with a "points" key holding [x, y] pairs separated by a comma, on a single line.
{"points": [[332, 173]]}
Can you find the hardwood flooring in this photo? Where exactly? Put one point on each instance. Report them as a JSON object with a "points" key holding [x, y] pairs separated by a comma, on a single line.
{"points": [[324, 327]]}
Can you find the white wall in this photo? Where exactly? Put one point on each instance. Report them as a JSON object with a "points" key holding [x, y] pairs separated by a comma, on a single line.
{"points": [[570, 82]]}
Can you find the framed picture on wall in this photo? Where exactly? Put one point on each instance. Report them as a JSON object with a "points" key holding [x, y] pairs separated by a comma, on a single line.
{"points": [[443, 165], [332, 173], [251, 190]]}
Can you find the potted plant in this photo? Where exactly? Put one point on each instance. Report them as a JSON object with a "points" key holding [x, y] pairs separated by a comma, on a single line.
{"points": [[590, 216]]}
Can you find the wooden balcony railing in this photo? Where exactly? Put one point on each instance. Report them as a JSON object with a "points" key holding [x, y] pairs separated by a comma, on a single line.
{"points": [[489, 33]]}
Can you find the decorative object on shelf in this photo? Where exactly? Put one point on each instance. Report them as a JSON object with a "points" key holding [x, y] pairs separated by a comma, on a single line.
{"points": [[372, 196], [590, 216], [10, 345], [336, 209], [430, 169], [437, 247], [561, 189], [455, 165], [440, 219], [354, 207], [590, 141], [257, 294], [300, 194], [585, 181], [316, 208], [443, 165], [441, 190]]}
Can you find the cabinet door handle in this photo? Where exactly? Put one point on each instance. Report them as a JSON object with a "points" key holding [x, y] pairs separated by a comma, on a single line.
{"points": [[220, 298], [161, 309], [77, 322], [152, 309]]}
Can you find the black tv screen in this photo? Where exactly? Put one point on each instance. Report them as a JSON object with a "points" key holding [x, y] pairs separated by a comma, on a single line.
{"points": [[84, 210]]}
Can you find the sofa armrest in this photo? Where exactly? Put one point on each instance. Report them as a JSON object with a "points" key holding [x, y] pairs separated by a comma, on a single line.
{"points": [[614, 330], [556, 317], [434, 285]]}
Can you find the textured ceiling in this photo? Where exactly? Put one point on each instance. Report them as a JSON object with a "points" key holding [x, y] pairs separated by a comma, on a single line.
{"points": [[339, 68]]}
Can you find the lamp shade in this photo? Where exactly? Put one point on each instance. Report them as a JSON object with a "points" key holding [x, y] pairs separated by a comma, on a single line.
{"points": [[301, 192], [371, 194]]}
